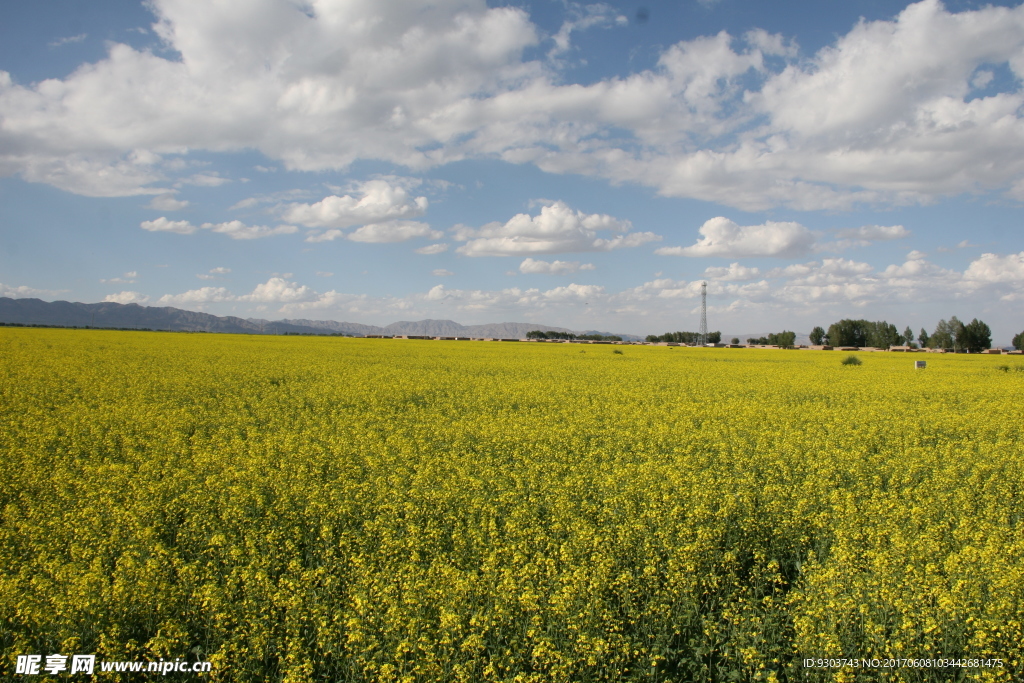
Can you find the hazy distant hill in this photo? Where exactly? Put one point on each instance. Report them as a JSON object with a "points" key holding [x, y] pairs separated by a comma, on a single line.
{"points": [[321, 326], [108, 314]]}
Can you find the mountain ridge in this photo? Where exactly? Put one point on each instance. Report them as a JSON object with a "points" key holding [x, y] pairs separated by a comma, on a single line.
{"points": [[108, 314]]}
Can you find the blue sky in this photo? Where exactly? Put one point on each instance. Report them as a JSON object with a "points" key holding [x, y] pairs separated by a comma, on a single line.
{"points": [[573, 164]]}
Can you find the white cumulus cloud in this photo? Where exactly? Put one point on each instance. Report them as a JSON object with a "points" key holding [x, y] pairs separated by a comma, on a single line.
{"points": [[530, 265], [557, 229], [393, 231], [514, 298], [313, 86], [274, 290], [581, 18], [125, 278], [879, 115], [203, 295], [734, 273], [213, 273], [433, 249], [116, 174], [237, 230], [26, 292], [127, 298], [380, 233], [723, 237], [162, 224], [874, 233], [167, 202], [997, 268], [204, 180], [864, 236], [774, 44], [378, 202], [279, 290], [234, 229]]}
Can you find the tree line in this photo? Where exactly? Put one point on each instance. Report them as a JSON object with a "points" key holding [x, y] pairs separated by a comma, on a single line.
{"points": [[973, 337], [784, 339], [540, 334], [684, 337]]}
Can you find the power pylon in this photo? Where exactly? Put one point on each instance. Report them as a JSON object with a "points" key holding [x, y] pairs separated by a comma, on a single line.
{"points": [[703, 313]]}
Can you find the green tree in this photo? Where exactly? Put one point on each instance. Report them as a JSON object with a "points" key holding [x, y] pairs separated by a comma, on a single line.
{"points": [[908, 336], [882, 335], [684, 337], [540, 334], [849, 333], [784, 339], [923, 338], [942, 337], [959, 334], [976, 336], [818, 336]]}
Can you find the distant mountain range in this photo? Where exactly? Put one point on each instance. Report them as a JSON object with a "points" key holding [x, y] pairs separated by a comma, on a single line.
{"points": [[113, 315]]}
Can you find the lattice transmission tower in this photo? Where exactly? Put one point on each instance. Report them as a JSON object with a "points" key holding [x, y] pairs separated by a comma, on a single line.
{"points": [[703, 313]]}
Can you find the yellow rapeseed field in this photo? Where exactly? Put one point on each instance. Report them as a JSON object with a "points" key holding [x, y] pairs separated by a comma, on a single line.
{"points": [[330, 509]]}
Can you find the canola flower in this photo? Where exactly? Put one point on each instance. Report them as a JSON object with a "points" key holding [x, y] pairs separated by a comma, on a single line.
{"points": [[329, 509]]}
